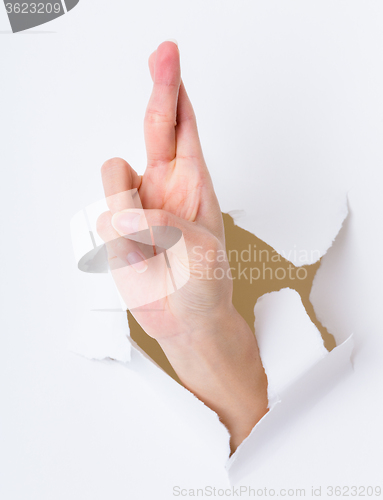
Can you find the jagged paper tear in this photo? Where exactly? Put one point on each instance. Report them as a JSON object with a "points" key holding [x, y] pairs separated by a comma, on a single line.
{"points": [[303, 233], [102, 334]]}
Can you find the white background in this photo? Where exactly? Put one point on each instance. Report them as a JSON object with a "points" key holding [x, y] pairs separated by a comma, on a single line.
{"points": [[288, 96]]}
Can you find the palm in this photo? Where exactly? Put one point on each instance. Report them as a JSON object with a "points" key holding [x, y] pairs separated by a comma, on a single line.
{"points": [[172, 188]]}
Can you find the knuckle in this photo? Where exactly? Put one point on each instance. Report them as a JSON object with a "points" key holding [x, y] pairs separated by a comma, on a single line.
{"points": [[154, 116]]}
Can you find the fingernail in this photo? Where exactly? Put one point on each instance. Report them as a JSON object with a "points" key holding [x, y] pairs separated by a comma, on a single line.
{"points": [[126, 222], [137, 262], [172, 40]]}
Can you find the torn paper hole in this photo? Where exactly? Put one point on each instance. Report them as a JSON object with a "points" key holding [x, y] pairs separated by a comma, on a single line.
{"points": [[257, 269], [285, 325]]}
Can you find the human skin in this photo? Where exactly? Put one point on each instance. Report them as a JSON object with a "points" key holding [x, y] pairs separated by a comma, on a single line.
{"points": [[210, 346]]}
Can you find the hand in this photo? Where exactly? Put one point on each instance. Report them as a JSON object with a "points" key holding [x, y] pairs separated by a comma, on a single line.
{"points": [[208, 343], [176, 190]]}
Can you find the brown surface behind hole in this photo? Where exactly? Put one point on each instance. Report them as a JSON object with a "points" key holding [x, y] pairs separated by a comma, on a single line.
{"points": [[245, 295]]}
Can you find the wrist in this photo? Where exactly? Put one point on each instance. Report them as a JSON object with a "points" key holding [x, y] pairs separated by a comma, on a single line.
{"points": [[207, 335], [220, 364], [223, 350]]}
